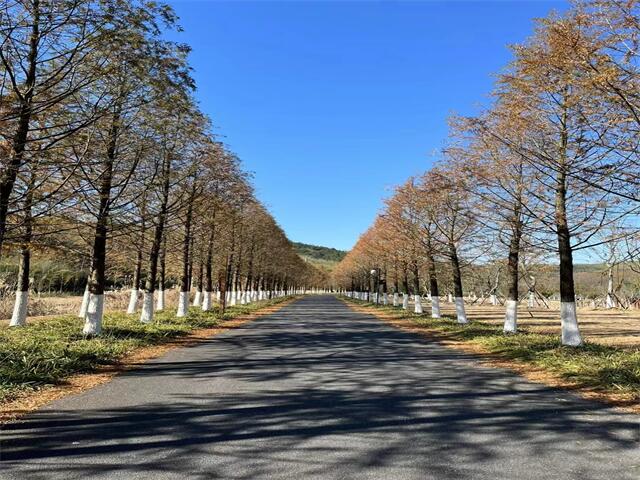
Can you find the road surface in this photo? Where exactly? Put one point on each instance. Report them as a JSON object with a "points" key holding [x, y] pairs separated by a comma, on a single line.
{"points": [[317, 391]]}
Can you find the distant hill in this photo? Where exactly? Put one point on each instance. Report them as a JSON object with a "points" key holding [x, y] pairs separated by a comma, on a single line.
{"points": [[324, 257], [589, 267]]}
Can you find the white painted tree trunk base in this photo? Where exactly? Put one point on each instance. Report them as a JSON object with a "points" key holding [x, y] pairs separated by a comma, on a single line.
{"points": [[417, 304], [494, 300], [133, 300], [147, 307], [396, 299], [160, 301], [435, 306], [206, 302], [197, 299], [405, 301], [569, 323], [460, 312], [385, 299], [449, 298], [609, 302], [95, 311], [511, 317], [183, 304], [85, 303], [19, 317], [531, 301]]}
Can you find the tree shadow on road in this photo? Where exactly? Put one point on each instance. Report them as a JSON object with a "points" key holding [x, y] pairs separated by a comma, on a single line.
{"points": [[338, 399]]}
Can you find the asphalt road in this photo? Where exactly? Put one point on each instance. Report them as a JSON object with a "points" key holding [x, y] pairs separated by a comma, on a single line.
{"points": [[318, 391]]}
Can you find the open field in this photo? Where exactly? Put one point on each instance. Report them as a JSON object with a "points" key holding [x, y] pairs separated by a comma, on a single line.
{"points": [[607, 327], [42, 306], [49, 307]]}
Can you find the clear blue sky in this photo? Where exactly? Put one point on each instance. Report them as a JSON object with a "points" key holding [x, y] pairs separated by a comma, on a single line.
{"points": [[332, 103]]}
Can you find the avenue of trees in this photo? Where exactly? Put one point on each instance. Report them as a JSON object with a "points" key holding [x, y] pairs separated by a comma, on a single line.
{"points": [[107, 161], [550, 170]]}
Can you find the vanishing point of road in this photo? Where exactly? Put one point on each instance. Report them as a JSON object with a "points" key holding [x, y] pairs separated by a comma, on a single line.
{"points": [[317, 391]]}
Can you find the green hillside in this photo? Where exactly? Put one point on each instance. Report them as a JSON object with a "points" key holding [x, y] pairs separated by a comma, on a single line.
{"points": [[322, 257], [317, 252]]}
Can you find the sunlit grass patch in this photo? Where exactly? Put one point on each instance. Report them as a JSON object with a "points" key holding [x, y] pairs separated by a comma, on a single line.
{"points": [[47, 351]]}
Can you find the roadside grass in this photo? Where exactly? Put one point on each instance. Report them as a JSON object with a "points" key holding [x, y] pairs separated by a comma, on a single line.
{"points": [[46, 352], [599, 368]]}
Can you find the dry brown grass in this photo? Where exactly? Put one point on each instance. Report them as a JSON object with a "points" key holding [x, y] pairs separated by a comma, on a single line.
{"points": [[43, 307], [607, 327]]}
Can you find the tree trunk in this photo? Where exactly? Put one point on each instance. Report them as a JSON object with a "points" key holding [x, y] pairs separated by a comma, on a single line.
{"points": [[19, 317], [236, 281], [511, 314], [208, 265], [457, 283], [228, 278], [385, 293], [433, 283], [185, 280], [135, 288], [417, 299], [568, 315], [405, 301], [197, 301], [249, 280], [190, 275], [95, 309], [222, 282], [396, 286], [405, 280], [162, 276], [150, 285], [610, 301]]}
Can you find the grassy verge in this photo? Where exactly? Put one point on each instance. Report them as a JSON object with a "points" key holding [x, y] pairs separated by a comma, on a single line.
{"points": [[612, 371], [48, 351]]}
